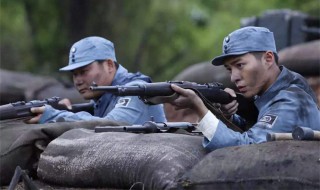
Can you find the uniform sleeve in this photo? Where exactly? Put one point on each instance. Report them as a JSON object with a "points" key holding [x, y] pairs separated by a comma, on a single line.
{"points": [[51, 115], [239, 121], [285, 111], [132, 110], [129, 109]]}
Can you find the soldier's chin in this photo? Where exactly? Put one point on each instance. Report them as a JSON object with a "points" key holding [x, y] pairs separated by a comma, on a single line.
{"points": [[248, 95], [87, 96]]}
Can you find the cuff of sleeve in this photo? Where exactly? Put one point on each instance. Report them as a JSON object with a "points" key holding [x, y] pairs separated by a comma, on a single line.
{"points": [[208, 125], [45, 115]]}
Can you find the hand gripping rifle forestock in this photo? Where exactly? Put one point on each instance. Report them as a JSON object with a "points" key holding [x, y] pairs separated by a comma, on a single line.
{"points": [[21, 109]]}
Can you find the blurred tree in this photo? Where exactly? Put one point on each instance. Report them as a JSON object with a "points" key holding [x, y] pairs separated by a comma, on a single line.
{"points": [[13, 35], [156, 37]]}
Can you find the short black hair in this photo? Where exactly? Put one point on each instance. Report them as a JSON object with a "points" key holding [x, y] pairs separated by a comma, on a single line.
{"points": [[115, 63], [258, 55]]}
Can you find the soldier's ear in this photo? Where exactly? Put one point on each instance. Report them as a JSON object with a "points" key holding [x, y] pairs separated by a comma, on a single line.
{"points": [[110, 65], [269, 58]]}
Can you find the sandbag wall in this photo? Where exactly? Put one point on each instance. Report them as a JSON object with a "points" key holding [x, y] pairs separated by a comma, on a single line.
{"points": [[21, 144], [272, 165], [82, 158]]}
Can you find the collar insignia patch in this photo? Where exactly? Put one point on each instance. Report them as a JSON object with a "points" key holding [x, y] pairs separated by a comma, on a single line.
{"points": [[268, 120], [123, 102]]}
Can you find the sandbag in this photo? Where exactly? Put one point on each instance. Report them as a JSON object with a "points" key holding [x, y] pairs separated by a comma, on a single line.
{"points": [[302, 58], [21, 144], [82, 158], [17, 86], [271, 165]]}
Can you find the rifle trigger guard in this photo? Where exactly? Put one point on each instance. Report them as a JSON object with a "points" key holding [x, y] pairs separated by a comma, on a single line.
{"points": [[145, 100]]}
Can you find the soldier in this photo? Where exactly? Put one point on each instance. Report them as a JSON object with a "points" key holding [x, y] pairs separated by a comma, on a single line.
{"points": [[93, 60], [283, 97]]}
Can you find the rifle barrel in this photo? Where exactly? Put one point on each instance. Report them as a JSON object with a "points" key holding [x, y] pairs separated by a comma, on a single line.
{"points": [[109, 89], [148, 89], [132, 128]]}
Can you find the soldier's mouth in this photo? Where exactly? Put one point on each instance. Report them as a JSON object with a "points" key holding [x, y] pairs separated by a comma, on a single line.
{"points": [[242, 89], [82, 91]]}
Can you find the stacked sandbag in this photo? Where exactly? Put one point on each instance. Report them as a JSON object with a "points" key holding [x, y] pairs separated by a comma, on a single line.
{"points": [[21, 144], [271, 165], [82, 158], [302, 58], [24, 86]]}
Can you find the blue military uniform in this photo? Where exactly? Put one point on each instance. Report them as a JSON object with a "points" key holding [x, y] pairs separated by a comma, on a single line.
{"points": [[129, 109], [288, 103]]}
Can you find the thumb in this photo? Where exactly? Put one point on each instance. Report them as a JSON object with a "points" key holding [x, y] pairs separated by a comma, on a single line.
{"points": [[178, 89], [38, 110], [66, 102], [231, 92]]}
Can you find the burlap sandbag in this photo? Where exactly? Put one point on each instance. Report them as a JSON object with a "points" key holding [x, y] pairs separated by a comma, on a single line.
{"points": [[271, 165], [21, 144], [82, 158]]}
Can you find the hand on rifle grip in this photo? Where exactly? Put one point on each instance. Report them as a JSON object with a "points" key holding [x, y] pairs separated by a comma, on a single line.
{"points": [[38, 111], [66, 102], [189, 99], [232, 107]]}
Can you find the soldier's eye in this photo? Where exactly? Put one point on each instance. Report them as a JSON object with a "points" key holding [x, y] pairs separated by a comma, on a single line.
{"points": [[239, 65]]}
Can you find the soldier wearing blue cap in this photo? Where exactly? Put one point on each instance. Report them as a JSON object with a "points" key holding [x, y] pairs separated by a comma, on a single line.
{"points": [[93, 60], [283, 98]]}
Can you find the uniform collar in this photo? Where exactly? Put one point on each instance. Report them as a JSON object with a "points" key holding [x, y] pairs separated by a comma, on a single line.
{"points": [[283, 81], [122, 77]]}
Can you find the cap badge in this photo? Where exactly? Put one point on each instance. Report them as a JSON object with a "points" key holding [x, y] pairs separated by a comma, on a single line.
{"points": [[227, 39], [73, 50]]}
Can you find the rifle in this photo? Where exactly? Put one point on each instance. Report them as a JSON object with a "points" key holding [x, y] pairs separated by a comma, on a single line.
{"points": [[148, 127], [213, 92], [21, 109]]}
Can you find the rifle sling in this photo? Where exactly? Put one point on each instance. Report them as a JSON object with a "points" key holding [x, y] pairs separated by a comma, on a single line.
{"points": [[218, 113]]}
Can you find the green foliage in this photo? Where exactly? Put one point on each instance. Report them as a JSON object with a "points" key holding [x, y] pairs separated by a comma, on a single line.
{"points": [[14, 38], [157, 37]]}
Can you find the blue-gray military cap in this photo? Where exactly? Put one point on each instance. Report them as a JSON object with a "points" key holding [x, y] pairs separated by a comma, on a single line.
{"points": [[245, 40], [88, 50]]}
